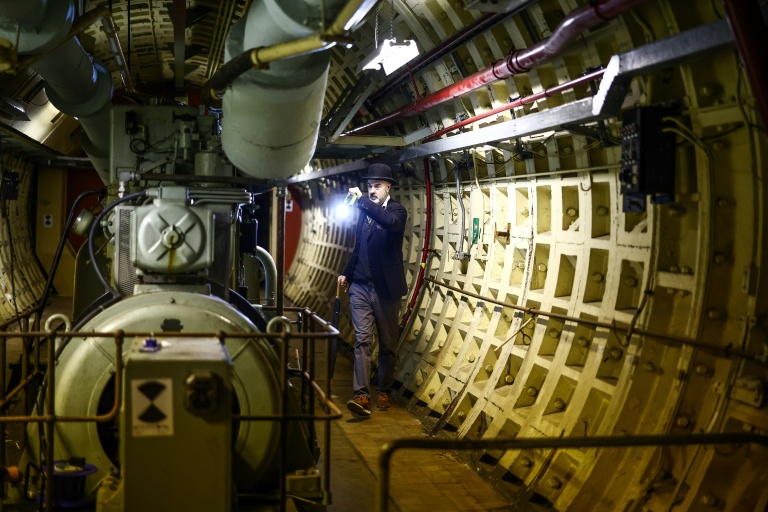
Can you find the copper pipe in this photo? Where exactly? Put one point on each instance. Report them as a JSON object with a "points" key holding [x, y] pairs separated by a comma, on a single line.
{"points": [[52, 418], [259, 58]]}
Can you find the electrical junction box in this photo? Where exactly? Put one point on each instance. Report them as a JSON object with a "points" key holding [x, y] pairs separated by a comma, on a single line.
{"points": [[176, 426], [647, 154]]}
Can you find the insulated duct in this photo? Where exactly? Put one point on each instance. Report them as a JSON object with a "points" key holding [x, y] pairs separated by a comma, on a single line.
{"points": [[76, 84], [80, 87], [272, 117]]}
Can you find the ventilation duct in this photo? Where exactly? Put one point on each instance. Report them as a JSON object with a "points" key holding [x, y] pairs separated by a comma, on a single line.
{"points": [[272, 117], [75, 84]]}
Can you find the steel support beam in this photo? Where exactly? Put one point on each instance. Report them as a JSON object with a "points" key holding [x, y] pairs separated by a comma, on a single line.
{"points": [[622, 68], [671, 51]]}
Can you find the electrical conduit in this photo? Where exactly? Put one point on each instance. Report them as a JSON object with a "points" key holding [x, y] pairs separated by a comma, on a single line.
{"points": [[425, 251], [518, 61]]}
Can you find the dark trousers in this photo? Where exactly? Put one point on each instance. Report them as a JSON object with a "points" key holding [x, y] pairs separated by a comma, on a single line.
{"points": [[368, 311]]}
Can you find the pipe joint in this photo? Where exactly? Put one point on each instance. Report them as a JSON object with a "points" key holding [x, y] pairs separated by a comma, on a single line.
{"points": [[90, 105], [513, 64]]}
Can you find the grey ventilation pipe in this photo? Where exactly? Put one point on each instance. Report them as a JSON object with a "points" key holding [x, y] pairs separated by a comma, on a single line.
{"points": [[81, 87], [75, 83], [271, 117]]}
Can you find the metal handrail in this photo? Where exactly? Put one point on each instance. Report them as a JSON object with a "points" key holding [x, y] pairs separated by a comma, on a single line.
{"points": [[667, 338], [328, 332], [389, 449]]}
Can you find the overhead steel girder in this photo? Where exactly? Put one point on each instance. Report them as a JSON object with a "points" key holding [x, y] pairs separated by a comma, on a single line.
{"points": [[674, 50], [606, 103]]}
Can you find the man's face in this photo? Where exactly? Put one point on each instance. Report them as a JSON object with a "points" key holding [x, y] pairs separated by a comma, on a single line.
{"points": [[378, 191]]}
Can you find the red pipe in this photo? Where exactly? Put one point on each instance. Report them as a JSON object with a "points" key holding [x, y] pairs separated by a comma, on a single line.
{"points": [[425, 251], [518, 102], [518, 61], [746, 21]]}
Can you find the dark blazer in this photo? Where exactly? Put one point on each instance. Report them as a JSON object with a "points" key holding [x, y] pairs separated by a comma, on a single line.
{"points": [[385, 247]]}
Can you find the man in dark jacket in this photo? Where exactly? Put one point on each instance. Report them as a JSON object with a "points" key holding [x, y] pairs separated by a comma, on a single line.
{"points": [[376, 281]]}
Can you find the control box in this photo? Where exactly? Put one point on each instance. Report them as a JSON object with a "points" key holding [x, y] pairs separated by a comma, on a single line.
{"points": [[176, 426], [647, 153]]}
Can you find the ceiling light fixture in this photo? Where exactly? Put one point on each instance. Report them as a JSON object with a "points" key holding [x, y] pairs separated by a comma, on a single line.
{"points": [[391, 54]]}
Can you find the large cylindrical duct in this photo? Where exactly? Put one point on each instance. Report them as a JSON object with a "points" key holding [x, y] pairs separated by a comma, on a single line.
{"points": [[75, 83], [80, 87], [40, 23], [271, 117]]}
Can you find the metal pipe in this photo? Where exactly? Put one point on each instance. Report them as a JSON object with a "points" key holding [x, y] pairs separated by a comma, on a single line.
{"points": [[110, 31], [284, 387], [280, 214], [50, 405], [270, 273], [457, 173], [389, 449], [425, 246], [748, 29], [518, 102], [677, 340], [3, 358], [518, 61]]}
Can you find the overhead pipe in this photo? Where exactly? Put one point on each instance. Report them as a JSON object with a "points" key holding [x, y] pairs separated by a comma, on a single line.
{"points": [[518, 61], [455, 41], [110, 31], [518, 102], [81, 87], [75, 83], [272, 104], [748, 27]]}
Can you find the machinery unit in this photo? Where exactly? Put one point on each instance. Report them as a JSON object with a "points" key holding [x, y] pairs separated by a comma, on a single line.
{"points": [[171, 260]]}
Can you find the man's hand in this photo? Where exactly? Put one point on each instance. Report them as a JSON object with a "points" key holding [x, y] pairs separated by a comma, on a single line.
{"points": [[343, 281], [356, 192]]}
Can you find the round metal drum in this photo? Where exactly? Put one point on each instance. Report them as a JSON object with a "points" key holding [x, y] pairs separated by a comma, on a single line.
{"points": [[85, 380]]}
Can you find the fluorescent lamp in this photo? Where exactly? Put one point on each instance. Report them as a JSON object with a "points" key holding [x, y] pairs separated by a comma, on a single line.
{"points": [[390, 55]]}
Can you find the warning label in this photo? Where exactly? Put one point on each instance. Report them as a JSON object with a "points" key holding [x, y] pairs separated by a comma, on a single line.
{"points": [[152, 407]]}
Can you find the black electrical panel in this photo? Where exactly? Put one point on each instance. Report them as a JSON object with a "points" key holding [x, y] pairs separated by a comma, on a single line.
{"points": [[647, 154]]}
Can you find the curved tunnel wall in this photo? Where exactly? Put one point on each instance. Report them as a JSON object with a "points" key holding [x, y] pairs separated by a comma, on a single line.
{"points": [[20, 276], [689, 267]]}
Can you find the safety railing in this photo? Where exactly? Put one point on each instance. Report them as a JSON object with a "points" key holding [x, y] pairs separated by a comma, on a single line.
{"points": [[389, 449], [630, 330], [312, 329]]}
